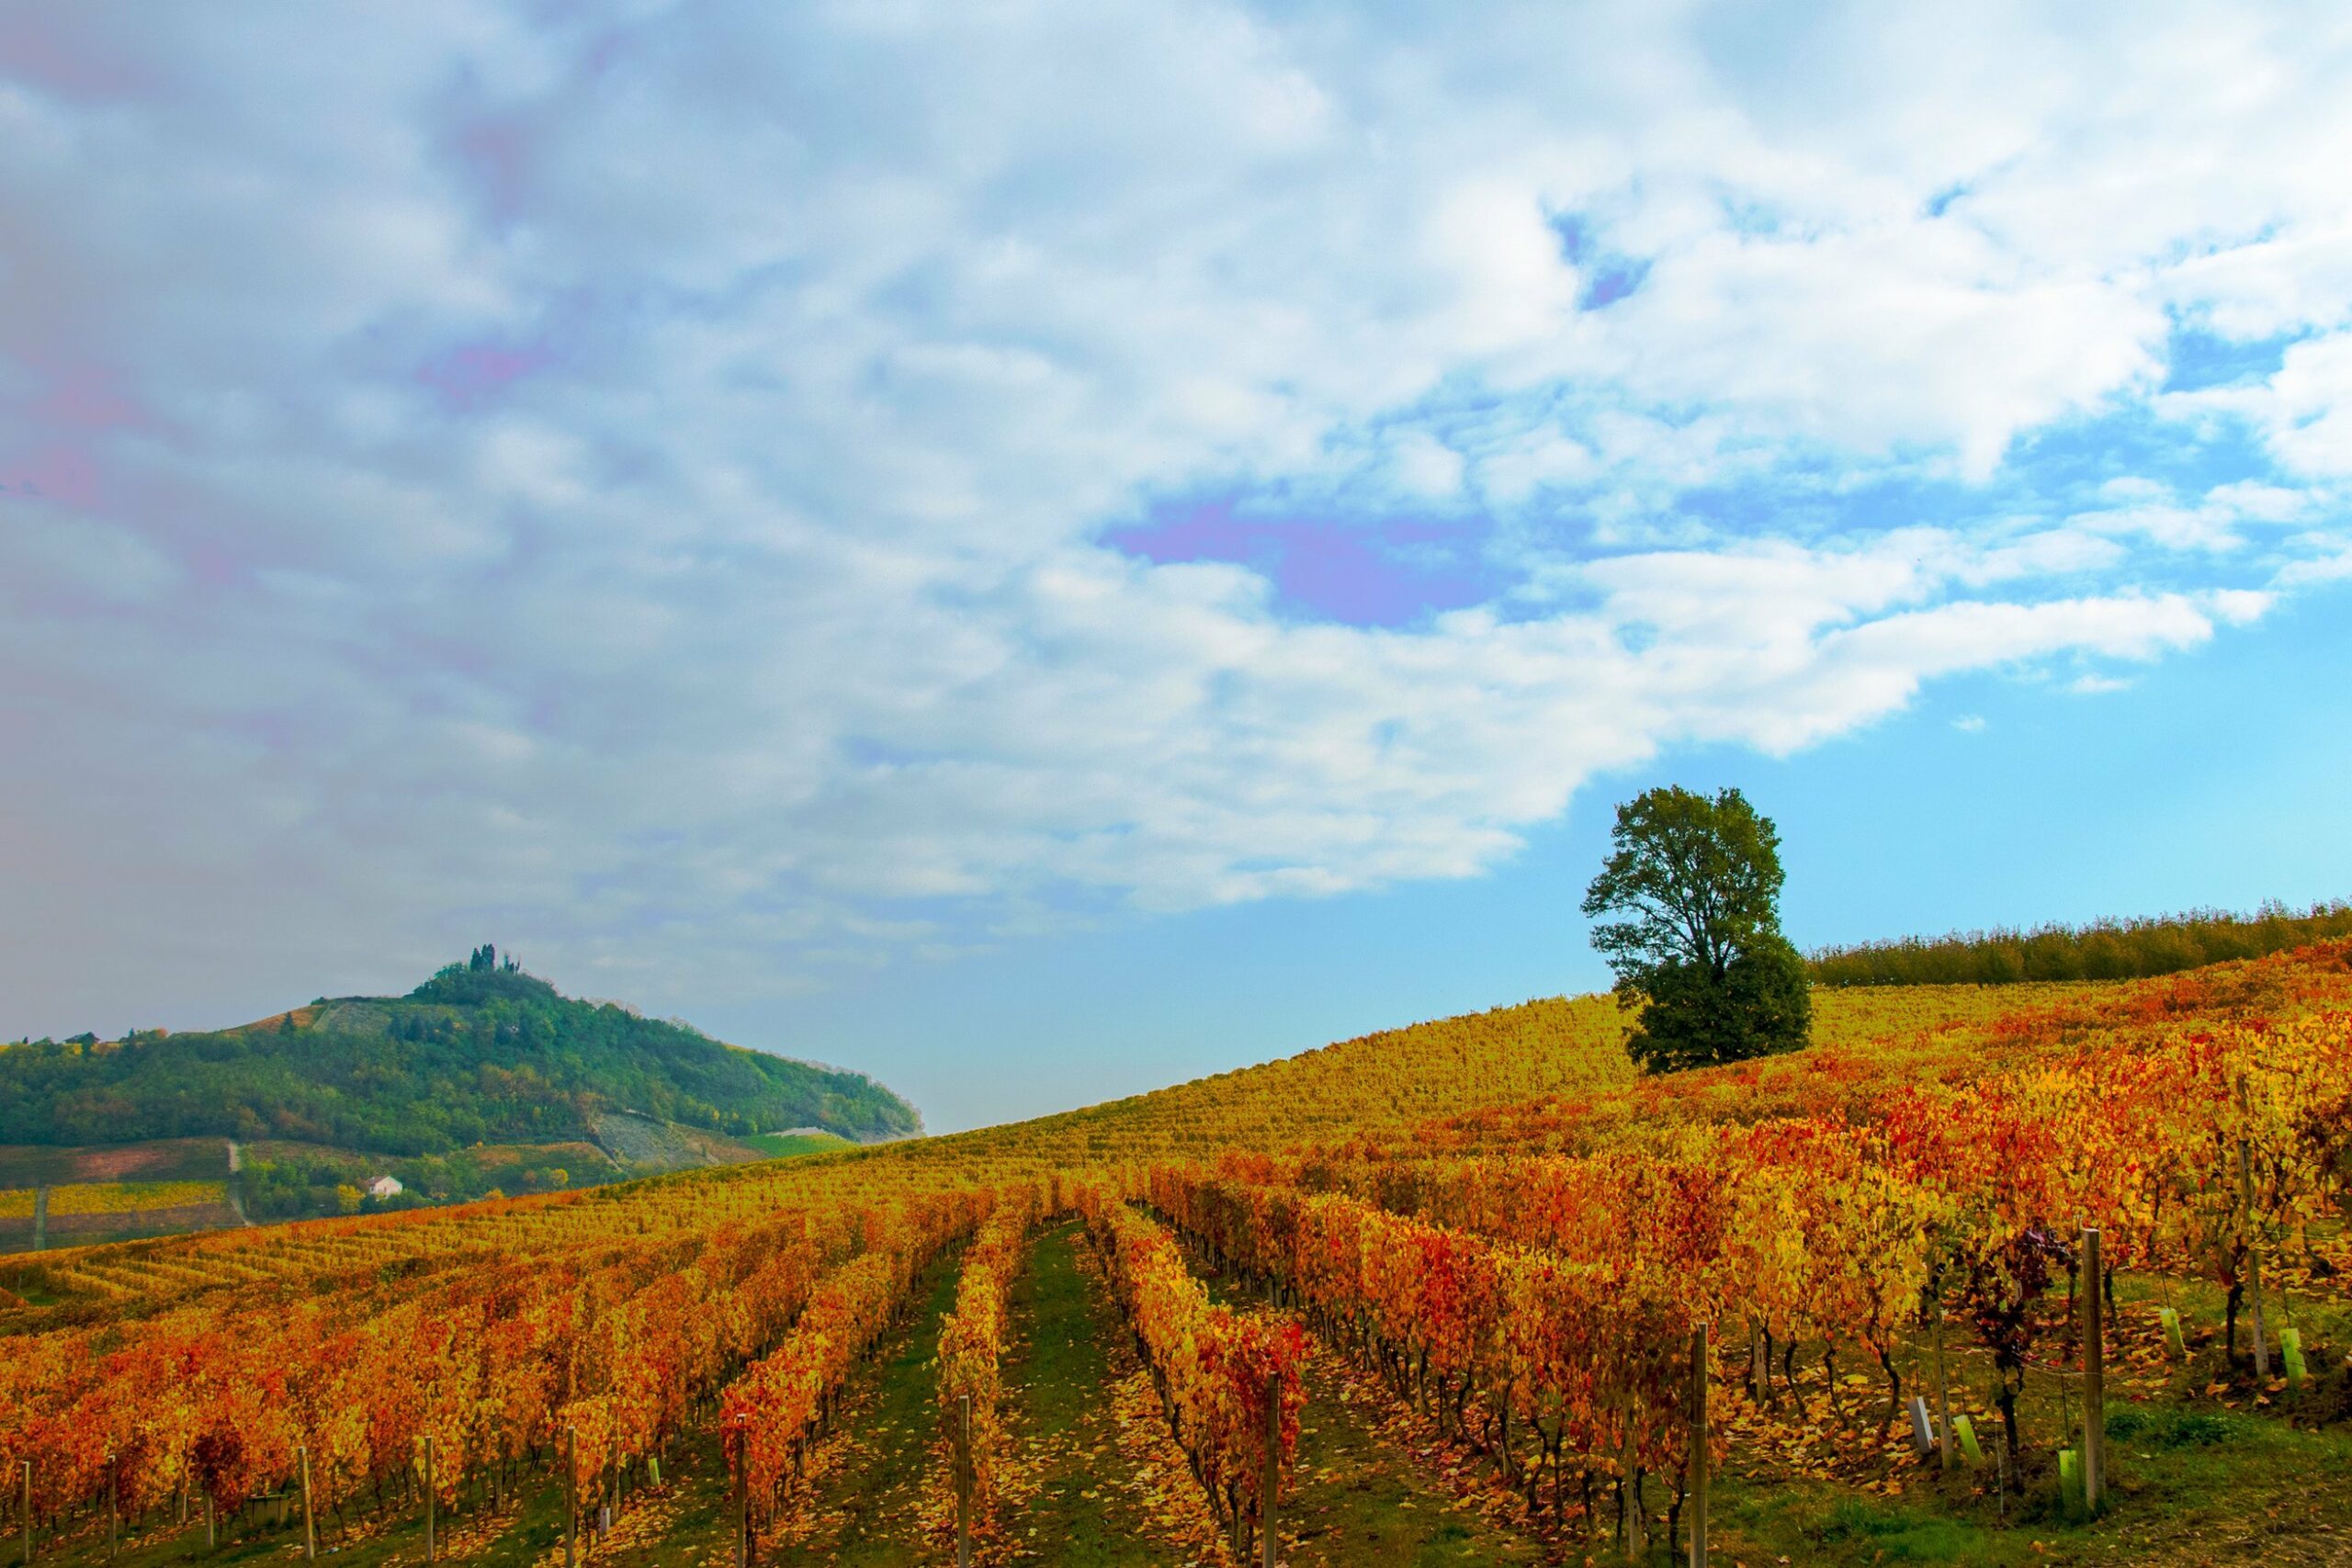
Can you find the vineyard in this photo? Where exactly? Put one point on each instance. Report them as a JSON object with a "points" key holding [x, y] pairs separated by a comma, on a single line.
{"points": [[2026, 1273]]}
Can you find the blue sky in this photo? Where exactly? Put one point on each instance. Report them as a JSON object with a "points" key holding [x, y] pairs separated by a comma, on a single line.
{"points": [[1042, 549]]}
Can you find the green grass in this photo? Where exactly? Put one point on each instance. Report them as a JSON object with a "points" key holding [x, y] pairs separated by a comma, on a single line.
{"points": [[2183, 1478], [784, 1145], [691, 1518], [2166, 1429], [1901, 1535], [865, 1504], [1361, 1497], [1067, 1346]]}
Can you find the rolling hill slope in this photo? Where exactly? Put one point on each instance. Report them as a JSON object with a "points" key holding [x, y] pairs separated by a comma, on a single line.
{"points": [[483, 1079], [475, 1055]]}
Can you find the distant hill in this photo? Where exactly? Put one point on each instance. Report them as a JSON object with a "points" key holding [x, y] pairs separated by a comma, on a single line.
{"points": [[479, 1053]]}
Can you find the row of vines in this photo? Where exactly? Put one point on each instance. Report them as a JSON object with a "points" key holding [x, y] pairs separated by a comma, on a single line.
{"points": [[604, 1352], [1540, 1306], [1228, 1382], [1528, 1272]]}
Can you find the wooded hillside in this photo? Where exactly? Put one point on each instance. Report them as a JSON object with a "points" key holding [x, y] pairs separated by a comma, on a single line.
{"points": [[482, 1052]]}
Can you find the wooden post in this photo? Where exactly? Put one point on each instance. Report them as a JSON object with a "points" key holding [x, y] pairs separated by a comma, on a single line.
{"points": [[964, 1481], [2253, 1260], [114, 1509], [211, 1528], [1272, 1480], [309, 1531], [1699, 1455], [742, 1506], [1943, 1387], [28, 1514], [429, 1498], [2094, 1371], [571, 1496], [2253, 1252], [1629, 1494]]}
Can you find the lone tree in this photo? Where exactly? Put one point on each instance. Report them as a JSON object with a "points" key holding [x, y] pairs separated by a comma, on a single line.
{"points": [[1697, 881]]}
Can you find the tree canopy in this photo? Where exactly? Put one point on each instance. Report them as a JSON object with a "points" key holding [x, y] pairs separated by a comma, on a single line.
{"points": [[1694, 883]]}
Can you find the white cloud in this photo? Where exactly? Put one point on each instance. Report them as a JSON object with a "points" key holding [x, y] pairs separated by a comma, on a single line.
{"points": [[2294, 279], [1900, 333], [1426, 465], [2241, 606], [643, 471], [1545, 458], [1510, 284], [2214, 523], [64, 562], [2305, 410], [2317, 570]]}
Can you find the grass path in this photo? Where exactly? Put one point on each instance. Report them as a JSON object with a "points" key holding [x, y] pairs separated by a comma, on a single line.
{"points": [[1097, 1483], [873, 1471], [1361, 1495], [690, 1519]]}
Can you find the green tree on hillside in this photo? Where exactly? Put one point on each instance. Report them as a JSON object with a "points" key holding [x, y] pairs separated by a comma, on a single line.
{"points": [[1695, 881]]}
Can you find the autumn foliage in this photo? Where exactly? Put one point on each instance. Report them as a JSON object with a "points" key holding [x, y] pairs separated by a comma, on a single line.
{"points": [[971, 1349], [1216, 1370], [1512, 1229]]}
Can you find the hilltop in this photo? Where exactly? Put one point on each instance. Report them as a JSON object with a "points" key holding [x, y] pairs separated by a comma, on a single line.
{"points": [[483, 1078]]}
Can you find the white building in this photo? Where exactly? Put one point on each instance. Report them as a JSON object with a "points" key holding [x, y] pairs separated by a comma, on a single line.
{"points": [[384, 1187]]}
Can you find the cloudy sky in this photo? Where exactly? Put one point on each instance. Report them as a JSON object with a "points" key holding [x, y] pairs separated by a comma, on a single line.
{"points": [[1039, 548]]}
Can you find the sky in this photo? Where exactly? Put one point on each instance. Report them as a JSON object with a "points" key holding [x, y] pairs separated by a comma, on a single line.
{"points": [[1041, 549]]}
